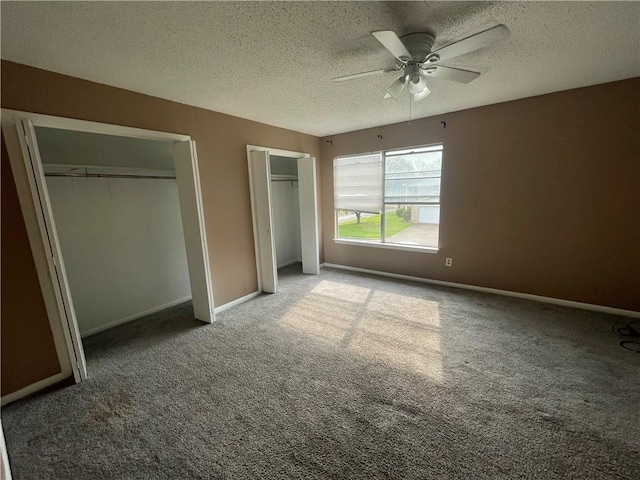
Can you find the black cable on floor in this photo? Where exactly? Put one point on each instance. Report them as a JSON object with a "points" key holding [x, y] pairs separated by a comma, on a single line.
{"points": [[630, 329], [629, 345]]}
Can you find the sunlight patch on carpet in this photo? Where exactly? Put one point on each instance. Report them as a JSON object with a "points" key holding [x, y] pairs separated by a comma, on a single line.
{"points": [[400, 330], [342, 291]]}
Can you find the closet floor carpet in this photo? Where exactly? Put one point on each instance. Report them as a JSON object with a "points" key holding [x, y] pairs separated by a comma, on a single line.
{"points": [[343, 375]]}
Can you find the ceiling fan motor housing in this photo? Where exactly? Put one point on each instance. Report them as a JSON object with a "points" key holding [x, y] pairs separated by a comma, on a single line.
{"points": [[419, 45]]}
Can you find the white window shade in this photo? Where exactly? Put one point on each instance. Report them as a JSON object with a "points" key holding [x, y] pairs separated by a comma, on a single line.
{"points": [[358, 183]]}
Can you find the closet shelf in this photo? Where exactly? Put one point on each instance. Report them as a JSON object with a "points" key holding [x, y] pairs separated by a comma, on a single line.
{"points": [[93, 171]]}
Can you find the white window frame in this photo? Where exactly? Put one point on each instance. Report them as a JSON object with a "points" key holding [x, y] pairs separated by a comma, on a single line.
{"points": [[381, 243]]}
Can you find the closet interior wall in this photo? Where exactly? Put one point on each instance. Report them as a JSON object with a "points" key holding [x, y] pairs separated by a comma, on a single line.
{"points": [[286, 209], [117, 214]]}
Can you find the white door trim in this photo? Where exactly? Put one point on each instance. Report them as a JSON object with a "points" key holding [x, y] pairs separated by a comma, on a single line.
{"points": [[86, 126], [34, 216], [276, 151]]}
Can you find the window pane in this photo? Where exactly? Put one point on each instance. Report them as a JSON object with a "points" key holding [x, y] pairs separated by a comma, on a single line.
{"points": [[416, 225], [366, 227], [413, 177], [358, 183]]}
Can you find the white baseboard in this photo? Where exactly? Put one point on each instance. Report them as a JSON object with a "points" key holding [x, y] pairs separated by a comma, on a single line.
{"points": [[506, 293], [135, 316], [235, 302], [33, 388]]}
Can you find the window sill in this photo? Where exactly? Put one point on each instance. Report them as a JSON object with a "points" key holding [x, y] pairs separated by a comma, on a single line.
{"points": [[390, 246]]}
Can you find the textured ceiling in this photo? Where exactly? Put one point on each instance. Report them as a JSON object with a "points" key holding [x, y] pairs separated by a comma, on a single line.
{"points": [[273, 61]]}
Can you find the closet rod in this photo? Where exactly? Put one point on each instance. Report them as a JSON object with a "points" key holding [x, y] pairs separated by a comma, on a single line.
{"points": [[107, 175], [284, 180]]}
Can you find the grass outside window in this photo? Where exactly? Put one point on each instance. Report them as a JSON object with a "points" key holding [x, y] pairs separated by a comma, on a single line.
{"points": [[369, 227]]}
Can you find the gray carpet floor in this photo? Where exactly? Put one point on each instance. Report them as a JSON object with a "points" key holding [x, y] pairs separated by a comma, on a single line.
{"points": [[343, 376]]}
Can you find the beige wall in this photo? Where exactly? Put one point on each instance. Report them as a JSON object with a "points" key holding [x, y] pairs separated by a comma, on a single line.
{"points": [[221, 141], [540, 195]]}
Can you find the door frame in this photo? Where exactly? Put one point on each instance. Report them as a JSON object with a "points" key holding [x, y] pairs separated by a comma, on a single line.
{"points": [[36, 218], [313, 224]]}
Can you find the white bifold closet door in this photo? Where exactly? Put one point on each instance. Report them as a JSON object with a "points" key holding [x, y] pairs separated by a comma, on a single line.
{"points": [[307, 196], [188, 180], [260, 178], [51, 243]]}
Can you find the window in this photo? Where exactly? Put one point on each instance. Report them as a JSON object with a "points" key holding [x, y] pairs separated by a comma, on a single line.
{"points": [[389, 198]]}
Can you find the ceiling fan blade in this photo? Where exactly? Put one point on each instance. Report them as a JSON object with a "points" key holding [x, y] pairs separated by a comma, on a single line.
{"points": [[391, 42], [363, 74], [422, 95], [397, 87], [472, 43], [451, 73]]}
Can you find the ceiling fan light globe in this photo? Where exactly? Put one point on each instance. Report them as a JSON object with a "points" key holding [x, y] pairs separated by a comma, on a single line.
{"points": [[396, 88], [421, 95], [417, 84]]}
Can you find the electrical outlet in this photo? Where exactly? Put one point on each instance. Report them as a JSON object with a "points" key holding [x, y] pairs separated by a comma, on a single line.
{"points": [[448, 262]]}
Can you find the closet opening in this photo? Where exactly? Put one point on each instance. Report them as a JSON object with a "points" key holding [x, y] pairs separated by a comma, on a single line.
{"points": [[284, 209], [117, 215], [285, 204], [115, 222]]}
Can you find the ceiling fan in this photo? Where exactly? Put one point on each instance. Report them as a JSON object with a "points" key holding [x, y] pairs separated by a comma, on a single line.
{"points": [[416, 61]]}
